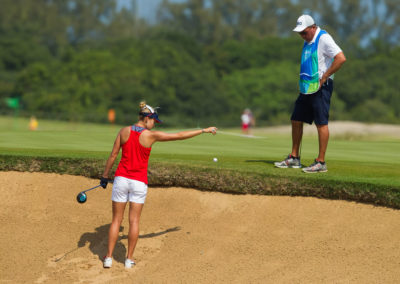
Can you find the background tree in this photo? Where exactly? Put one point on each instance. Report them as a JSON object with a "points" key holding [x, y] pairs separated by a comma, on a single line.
{"points": [[201, 62]]}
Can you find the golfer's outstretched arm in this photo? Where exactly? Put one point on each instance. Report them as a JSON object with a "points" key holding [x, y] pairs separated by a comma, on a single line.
{"points": [[162, 136], [113, 155], [158, 136]]}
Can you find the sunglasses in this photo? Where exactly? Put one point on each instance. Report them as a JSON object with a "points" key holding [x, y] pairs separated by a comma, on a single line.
{"points": [[306, 30], [303, 32]]}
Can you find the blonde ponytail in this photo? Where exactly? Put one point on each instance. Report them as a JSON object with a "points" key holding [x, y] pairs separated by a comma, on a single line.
{"points": [[147, 111], [142, 106]]}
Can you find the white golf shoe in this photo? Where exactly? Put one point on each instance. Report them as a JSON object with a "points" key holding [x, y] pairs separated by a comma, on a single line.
{"points": [[129, 263], [107, 263]]}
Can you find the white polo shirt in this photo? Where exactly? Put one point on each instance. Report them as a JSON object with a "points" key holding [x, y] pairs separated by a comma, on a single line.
{"points": [[327, 50]]}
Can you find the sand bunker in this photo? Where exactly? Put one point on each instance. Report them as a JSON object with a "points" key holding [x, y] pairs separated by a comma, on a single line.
{"points": [[188, 236]]}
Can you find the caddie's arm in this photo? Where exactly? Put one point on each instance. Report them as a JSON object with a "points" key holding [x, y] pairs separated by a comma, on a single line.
{"points": [[338, 61]]}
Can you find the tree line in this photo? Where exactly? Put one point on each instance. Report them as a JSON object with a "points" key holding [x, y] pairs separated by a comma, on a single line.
{"points": [[201, 62]]}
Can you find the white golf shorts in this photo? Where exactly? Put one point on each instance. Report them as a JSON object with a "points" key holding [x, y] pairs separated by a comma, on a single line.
{"points": [[125, 189]]}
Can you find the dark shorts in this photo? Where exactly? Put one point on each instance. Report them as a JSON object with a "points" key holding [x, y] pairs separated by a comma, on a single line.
{"points": [[314, 107]]}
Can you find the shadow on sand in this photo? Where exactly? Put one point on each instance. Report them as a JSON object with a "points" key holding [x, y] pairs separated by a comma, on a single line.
{"points": [[98, 242]]}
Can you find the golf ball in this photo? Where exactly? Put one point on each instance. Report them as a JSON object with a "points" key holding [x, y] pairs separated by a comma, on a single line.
{"points": [[215, 160]]}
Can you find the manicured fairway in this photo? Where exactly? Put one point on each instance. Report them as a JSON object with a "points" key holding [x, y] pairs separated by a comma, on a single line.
{"points": [[369, 159]]}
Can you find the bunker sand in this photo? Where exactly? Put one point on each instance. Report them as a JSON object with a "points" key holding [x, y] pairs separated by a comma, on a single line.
{"points": [[188, 236]]}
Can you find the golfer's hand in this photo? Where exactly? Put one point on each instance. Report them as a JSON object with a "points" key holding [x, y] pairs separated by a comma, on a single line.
{"points": [[103, 182], [211, 129]]}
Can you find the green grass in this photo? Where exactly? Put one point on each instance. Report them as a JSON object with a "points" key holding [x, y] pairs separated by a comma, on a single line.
{"points": [[372, 161]]}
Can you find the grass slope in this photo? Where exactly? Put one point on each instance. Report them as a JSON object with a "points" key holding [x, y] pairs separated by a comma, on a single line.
{"points": [[366, 169]]}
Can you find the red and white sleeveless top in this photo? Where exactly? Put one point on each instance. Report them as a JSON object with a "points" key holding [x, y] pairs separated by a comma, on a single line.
{"points": [[135, 157]]}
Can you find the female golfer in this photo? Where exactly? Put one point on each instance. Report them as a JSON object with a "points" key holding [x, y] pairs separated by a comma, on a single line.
{"points": [[130, 182]]}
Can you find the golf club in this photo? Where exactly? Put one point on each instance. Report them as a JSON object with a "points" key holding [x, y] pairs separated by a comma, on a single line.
{"points": [[81, 197]]}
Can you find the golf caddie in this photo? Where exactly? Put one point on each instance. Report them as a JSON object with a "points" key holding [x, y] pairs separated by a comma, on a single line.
{"points": [[320, 59]]}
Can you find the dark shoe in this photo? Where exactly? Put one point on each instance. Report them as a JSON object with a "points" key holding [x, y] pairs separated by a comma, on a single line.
{"points": [[316, 167], [289, 162]]}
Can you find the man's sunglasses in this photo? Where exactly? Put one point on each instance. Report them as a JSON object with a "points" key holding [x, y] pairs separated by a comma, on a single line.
{"points": [[305, 31]]}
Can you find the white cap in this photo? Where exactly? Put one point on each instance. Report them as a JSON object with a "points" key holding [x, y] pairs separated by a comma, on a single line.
{"points": [[150, 108], [303, 22]]}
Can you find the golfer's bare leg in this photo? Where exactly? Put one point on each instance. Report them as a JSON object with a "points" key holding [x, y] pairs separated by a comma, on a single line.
{"points": [[135, 210], [323, 137], [297, 135], [118, 214]]}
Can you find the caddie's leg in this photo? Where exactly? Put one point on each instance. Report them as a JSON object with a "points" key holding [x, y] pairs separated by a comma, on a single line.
{"points": [[297, 135], [323, 137]]}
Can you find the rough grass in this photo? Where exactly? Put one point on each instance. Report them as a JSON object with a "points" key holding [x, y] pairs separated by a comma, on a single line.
{"points": [[221, 180]]}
